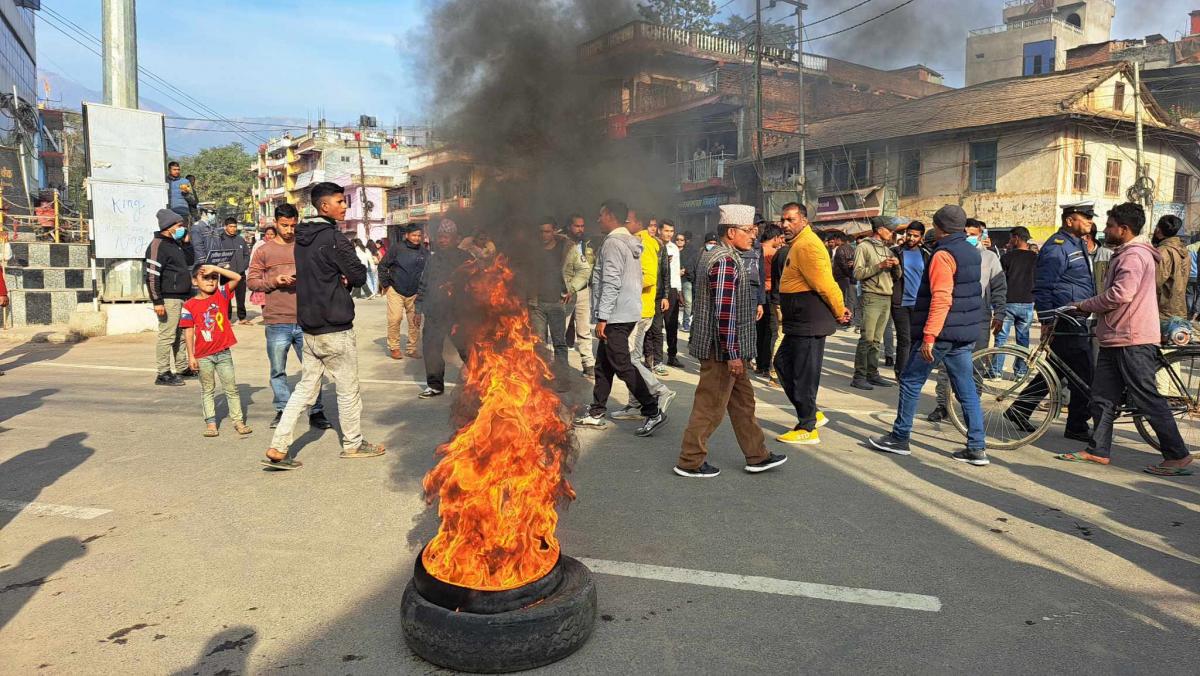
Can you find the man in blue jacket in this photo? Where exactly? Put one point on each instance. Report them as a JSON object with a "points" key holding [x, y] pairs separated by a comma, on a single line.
{"points": [[180, 198], [1063, 276]]}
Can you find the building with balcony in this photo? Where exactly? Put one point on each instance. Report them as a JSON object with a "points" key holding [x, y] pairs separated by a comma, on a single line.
{"points": [[689, 99], [441, 184], [1035, 37]]}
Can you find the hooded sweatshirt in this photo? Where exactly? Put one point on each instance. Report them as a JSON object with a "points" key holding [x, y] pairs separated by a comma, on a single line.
{"points": [[1128, 308], [323, 257], [1172, 278]]}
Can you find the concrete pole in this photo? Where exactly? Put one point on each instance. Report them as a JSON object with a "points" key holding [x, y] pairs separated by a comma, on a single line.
{"points": [[119, 31]]}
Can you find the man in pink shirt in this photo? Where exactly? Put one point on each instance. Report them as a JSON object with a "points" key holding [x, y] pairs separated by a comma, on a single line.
{"points": [[1129, 336]]}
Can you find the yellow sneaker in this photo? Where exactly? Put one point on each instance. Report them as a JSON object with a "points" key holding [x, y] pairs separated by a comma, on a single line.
{"points": [[821, 420], [800, 438]]}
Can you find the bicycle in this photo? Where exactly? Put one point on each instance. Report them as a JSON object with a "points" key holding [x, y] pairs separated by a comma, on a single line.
{"points": [[1178, 380]]}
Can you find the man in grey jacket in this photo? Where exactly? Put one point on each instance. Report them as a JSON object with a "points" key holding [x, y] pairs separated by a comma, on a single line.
{"points": [[616, 308]]}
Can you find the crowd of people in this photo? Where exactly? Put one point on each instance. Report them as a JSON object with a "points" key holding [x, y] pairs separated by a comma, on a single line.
{"points": [[753, 294]]}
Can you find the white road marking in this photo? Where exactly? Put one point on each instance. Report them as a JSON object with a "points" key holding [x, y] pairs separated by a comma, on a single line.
{"points": [[47, 509], [139, 369], [767, 585]]}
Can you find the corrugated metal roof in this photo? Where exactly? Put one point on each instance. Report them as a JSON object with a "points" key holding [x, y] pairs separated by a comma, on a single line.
{"points": [[990, 103]]}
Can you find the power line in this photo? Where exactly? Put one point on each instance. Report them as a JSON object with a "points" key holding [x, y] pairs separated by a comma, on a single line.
{"points": [[861, 23]]}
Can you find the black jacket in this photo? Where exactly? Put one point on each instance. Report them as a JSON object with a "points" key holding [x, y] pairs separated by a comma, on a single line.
{"points": [[168, 271], [435, 290], [689, 258], [241, 251], [323, 257], [401, 268]]}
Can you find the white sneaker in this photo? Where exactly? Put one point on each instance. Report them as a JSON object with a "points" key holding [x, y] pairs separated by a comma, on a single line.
{"points": [[665, 399], [628, 413], [592, 421]]}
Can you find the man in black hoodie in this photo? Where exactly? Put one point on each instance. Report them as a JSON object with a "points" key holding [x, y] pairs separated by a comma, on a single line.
{"points": [[327, 269], [168, 278]]}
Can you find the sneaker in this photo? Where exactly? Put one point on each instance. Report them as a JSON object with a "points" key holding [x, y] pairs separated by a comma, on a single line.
{"points": [[591, 421], [665, 399], [429, 392], [821, 420], [168, 380], [861, 384], [188, 374], [687, 328], [890, 443], [889, 361], [879, 381], [938, 414], [365, 450], [628, 413], [319, 421], [661, 369], [799, 438], [589, 371], [278, 417], [651, 424], [972, 456], [773, 460], [705, 471]]}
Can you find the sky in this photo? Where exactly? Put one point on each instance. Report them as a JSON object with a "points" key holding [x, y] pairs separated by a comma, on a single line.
{"points": [[289, 61]]}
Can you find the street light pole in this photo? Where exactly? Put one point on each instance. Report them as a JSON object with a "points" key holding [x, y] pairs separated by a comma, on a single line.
{"points": [[119, 32]]}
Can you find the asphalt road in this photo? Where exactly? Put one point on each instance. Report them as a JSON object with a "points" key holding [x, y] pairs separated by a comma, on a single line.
{"points": [[130, 544]]}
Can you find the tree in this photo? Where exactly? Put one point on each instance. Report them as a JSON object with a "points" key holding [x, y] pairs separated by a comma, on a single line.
{"points": [[691, 15], [222, 177]]}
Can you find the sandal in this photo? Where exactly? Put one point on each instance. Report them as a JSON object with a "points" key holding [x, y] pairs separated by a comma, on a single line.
{"points": [[1159, 470], [365, 450], [286, 463], [1082, 457], [211, 432], [242, 428]]}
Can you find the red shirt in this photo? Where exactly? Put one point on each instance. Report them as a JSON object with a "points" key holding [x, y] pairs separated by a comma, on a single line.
{"points": [[210, 317]]}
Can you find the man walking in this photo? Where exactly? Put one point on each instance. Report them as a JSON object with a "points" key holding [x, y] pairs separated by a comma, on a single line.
{"points": [[811, 307], [1173, 268], [652, 347], [723, 342], [236, 256], [1063, 277], [617, 285], [577, 270], [168, 279], [400, 278], [1130, 357], [273, 272], [1019, 265], [913, 258], [326, 271], [873, 263], [947, 316], [549, 296], [436, 305], [666, 235]]}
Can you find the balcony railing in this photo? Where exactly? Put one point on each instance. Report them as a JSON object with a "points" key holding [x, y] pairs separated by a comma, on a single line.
{"points": [[693, 40], [1025, 23], [702, 169]]}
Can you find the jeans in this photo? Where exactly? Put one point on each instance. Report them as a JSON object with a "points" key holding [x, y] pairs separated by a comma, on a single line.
{"points": [[1019, 316], [281, 338], [584, 344], [720, 392], [876, 308], [552, 316], [637, 339], [219, 365], [1129, 372], [686, 292], [373, 279], [613, 359], [956, 360], [170, 344], [798, 363], [336, 355]]}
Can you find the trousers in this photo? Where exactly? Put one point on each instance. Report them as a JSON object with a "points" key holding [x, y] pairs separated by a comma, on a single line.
{"points": [[720, 392], [637, 341], [336, 355], [613, 359], [1076, 353], [876, 308], [170, 352], [764, 334], [584, 344], [280, 339], [798, 364], [212, 367], [955, 358], [435, 332], [398, 308], [1129, 373], [902, 319], [671, 322]]}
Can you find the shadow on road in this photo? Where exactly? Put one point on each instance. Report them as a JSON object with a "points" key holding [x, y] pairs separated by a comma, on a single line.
{"points": [[11, 407], [225, 653], [33, 351], [18, 584], [23, 476]]}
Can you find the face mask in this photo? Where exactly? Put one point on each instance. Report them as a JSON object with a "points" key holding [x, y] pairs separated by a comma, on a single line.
{"points": [[709, 246], [973, 240], [180, 233]]}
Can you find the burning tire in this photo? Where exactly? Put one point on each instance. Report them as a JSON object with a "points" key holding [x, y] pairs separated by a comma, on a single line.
{"points": [[545, 631]]}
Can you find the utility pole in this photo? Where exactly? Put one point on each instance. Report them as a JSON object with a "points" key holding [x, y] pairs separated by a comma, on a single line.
{"points": [[800, 7], [362, 182], [119, 31], [1144, 195], [758, 102]]}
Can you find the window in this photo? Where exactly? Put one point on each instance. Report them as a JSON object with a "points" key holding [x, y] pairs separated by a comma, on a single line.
{"points": [[910, 172], [466, 189], [345, 158], [1119, 96], [1038, 57], [862, 171], [847, 172], [983, 167], [1112, 177], [383, 163], [1183, 188], [435, 192], [1083, 164]]}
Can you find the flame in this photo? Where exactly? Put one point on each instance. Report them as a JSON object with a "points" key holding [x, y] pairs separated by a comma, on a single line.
{"points": [[501, 475]]}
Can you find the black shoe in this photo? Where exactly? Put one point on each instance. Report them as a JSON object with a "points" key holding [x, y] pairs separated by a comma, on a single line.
{"points": [[705, 471], [1020, 422], [879, 381], [429, 392], [278, 417], [651, 424], [938, 414], [973, 456], [1085, 437], [188, 374], [319, 421], [889, 361], [890, 443], [861, 384], [773, 460], [674, 363], [589, 371], [168, 380]]}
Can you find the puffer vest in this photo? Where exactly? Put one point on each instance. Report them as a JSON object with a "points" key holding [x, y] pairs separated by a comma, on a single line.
{"points": [[966, 308], [705, 342]]}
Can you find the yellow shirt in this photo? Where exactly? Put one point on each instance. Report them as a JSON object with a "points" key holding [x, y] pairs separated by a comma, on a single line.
{"points": [[808, 268], [651, 250]]}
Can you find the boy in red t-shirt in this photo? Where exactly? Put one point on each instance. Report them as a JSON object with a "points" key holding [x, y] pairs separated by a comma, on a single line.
{"points": [[209, 337]]}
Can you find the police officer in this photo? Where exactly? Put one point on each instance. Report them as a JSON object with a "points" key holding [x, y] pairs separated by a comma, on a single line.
{"points": [[1063, 276]]}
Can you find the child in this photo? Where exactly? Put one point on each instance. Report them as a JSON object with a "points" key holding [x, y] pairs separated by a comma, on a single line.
{"points": [[209, 337]]}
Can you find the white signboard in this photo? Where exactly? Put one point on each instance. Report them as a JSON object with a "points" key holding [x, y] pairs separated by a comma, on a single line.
{"points": [[125, 144], [124, 217]]}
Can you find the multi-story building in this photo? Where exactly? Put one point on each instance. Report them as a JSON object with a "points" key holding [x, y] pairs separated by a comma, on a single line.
{"points": [[441, 184], [1035, 37], [19, 128], [1009, 151], [690, 99]]}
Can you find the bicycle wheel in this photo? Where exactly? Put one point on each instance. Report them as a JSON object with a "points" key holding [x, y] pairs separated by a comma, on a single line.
{"points": [[1183, 397], [998, 393]]}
